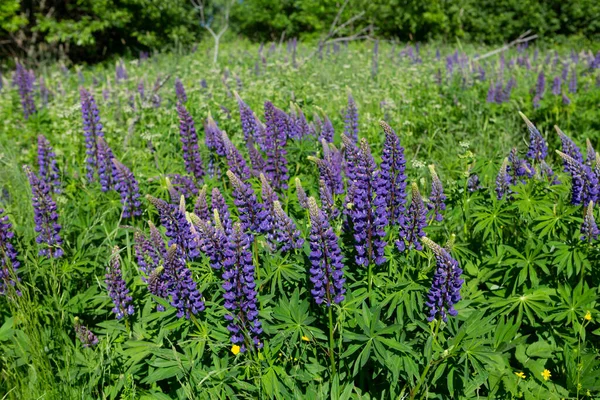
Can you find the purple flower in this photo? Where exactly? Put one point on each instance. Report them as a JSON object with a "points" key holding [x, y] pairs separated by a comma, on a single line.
{"points": [[327, 201], [115, 285], [392, 175], [584, 181], [189, 141], [287, 235], [92, 129], [275, 142], [473, 183], [327, 132], [240, 292], [569, 148], [351, 119], [120, 72], [540, 87], [252, 214], [178, 229], [127, 186], [491, 93], [48, 170], [107, 171], [547, 172], [24, 80], [85, 336], [503, 180], [538, 148], [536, 102], [446, 284], [185, 297], [256, 159], [589, 229], [219, 204], [437, 197], [301, 194], [248, 120], [8, 256], [327, 269], [368, 211], [352, 156], [235, 160], [573, 81], [201, 208], [556, 83], [45, 216], [180, 91], [150, 256], [181, 185], [512, 82], [565, 99], [44, 92], [212, 239], [590, 159], [214, 137], [416, 221]]}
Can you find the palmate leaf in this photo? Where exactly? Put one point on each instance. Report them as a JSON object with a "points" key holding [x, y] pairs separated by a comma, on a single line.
{"points": [[281, 270], [552, 221], [295, 320], [491, 219], [572, 304], [568, 255], [525, 264], [534, 305]]}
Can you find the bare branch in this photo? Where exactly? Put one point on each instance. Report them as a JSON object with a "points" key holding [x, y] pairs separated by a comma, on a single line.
{"points": [[523, 38]]}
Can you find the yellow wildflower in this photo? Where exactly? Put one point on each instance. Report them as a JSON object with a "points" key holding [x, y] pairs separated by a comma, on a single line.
{"points": [[520, 375], [235, 349], [588, 316], [305, 338], [546, 374]]}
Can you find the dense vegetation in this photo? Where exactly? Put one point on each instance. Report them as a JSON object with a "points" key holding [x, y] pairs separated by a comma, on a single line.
{"points": [[90, 30], [447, 252]]}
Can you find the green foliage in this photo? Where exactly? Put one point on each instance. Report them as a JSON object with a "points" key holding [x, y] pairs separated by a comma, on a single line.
{"points": [[530, 297]]}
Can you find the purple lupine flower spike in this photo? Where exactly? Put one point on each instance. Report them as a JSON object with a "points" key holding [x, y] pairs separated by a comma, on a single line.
{"points": [[115, 285], [251, 213], [185, 296], [147, 256], [212, 239], [302, 197], [584, 181], [8, 256], [327, 132], [107, 171], [327, 201], [352, 156], [473, 183], [446, 284], [92, 129], [573, 81], [178, 229], [128, 188], [201, 208], [392, 175], [589, 229], [491, 93], [275, 142], [24, 80], [327, 268], [45, 216], [368, 213], [214, 137], [247, 119], [240, 295], [189, 142], [569, 148], [235, 160], [538, 148], [503, 181], [351, 119], [181, 185], [85, 336], [556, 84], [256, 159], [48, 169], [218, 203], [437, 197], [590, 159], [416, 221], [180, 91], [519, 168], [540, 87], [286, 232]]}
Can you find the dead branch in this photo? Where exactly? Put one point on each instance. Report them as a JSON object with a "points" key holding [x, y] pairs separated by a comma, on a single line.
{"points": [[523, 38]]}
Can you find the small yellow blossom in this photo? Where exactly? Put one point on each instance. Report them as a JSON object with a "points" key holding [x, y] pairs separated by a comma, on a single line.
{"points": [[520, 375], [305, 338], [546, 374], [588, 316], [235, 349]]}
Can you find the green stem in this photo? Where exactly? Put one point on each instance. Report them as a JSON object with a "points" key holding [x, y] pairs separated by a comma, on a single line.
{"points": [[331, 342], [255, 251], [428, 367], [370, 280]]}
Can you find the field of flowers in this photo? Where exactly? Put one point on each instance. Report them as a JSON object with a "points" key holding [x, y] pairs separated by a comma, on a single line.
{"points": [[373, 221]]}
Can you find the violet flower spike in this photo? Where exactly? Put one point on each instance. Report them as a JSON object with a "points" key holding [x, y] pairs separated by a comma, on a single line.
{"points": [[584, 181], [327, 268], [201, 208], [437, 197], [24, 81], [446, 284], [189, 142], [327, 201], [241, 299], [48, 169], [275, 142], [8, 256], [247, 119], [351, 119], [180, 91], [107, 171], [115, 285], [212, 239], [92, 129], [286, 232], [235, 160], [327, 132], [538, 148], [569, 148], [416, 221], [128, 188], [503, 181], [220, 206], [181, 185], [185, 296], [301, 194], [392, 175], [589, 228], [85, 336], [45, 216], [256, 159], [251, 213]]}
